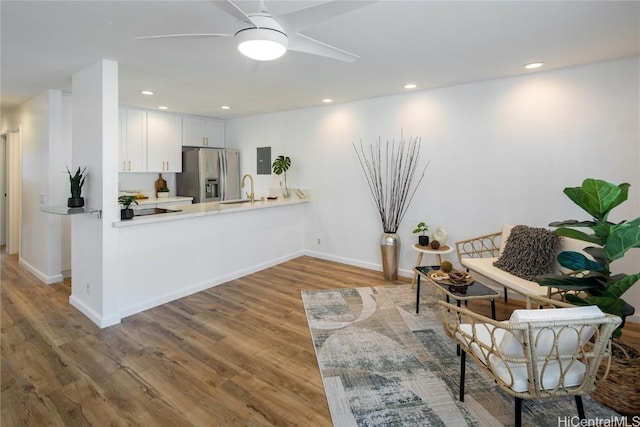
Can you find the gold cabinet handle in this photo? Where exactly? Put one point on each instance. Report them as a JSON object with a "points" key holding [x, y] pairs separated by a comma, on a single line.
{"points": [[129, 165]]}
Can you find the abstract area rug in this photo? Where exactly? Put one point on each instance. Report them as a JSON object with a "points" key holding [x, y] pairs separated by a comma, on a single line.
{"points": [[384, 365]]}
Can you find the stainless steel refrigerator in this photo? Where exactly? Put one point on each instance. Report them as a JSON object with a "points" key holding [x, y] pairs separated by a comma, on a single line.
{"points": [[209, 174]]}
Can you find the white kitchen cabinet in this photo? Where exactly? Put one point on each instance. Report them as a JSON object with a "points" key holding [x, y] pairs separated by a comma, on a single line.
{"points": [[198, 132], [164, 142], [133, 140]]}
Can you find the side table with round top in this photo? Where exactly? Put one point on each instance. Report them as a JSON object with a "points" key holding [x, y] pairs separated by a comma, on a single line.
{"points": [[443, 250]]}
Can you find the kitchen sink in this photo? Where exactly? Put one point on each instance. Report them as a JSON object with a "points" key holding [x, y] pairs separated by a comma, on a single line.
{"points": [[235, 202]]}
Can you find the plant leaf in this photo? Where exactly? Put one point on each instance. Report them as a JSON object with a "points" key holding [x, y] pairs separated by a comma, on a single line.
{"points": [[622, 238], [568, 283], [578, 262], [621, 285], [579, 235], [573, 223]]}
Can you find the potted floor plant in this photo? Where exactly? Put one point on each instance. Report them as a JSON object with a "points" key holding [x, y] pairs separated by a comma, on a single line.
{"points": [[76, 181], [125, 201], [593, 278]]}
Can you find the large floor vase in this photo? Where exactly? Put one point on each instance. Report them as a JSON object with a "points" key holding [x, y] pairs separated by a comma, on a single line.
{"points": [[390, 250]]}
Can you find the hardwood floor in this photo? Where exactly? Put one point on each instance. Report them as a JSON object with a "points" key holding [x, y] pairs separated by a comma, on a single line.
{"points": [[236, 354]]}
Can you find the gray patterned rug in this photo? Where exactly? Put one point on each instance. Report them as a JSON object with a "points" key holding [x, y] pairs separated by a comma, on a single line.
{"points": [[383, 365]]}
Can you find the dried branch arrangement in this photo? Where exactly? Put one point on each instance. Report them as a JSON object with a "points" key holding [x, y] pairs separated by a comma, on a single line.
{"points": [[390, 170]]}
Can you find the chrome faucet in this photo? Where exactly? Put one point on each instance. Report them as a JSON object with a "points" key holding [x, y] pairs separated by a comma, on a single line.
{"points": [[252, 195]]}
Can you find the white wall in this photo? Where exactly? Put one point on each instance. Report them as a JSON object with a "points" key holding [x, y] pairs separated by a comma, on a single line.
{"points": [[40, 123], [501, 151]]}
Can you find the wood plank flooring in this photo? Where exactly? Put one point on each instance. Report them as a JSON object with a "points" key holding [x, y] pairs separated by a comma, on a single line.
{"points": [[237, 354]]}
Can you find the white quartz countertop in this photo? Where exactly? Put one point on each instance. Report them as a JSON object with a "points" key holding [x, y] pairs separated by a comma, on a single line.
{"points": [[206, 209], [154, 200]]}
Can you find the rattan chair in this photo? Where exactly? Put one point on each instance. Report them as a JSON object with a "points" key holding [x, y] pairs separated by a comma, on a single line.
{"points": [[537, 353]]}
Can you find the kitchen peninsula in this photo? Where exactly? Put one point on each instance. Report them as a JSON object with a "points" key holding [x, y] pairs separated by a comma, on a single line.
{"points": [[165, 257]]}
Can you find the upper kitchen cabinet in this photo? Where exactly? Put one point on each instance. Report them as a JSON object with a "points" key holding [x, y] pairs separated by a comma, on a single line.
{"points": [[133, 140], [164, 142], [198, 132]]}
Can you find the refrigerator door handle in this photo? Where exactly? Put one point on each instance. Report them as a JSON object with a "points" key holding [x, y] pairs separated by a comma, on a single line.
{"points": [[222, 175]]}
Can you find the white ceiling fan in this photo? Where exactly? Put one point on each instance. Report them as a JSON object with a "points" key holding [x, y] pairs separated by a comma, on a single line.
{"points": [[264, 37]]}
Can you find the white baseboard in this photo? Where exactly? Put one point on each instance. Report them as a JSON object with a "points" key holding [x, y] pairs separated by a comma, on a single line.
{"points": [[102, 322], [356, 263], [181, 293], [44, 278]]}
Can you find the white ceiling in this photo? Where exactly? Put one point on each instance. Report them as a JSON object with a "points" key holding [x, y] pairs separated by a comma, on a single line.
{"points": [[431, 43]]}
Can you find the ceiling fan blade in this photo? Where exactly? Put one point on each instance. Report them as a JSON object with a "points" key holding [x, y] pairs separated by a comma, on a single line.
{"points": [[305, 18], [229, 7], [302, 43], [186, 36]]}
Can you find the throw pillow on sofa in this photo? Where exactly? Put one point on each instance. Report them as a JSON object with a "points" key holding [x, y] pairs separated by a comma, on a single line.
{"points": [[529, 252]]}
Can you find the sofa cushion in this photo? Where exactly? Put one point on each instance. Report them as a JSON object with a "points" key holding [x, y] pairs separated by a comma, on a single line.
{"points": [[529, 252], [485, 267]]}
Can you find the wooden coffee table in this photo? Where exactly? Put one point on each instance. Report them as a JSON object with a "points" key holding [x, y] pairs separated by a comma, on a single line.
{"points": [[474, 290]]}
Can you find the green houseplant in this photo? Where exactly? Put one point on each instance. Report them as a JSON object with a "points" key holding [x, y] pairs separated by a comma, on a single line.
{"points": [[162, 192], [76, 181], [608, 242], [126, 212], [280, 166], [422, 228]]}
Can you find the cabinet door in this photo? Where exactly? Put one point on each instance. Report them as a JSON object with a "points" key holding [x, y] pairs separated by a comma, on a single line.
{"points": [[164, 143], [133, 141], [193, 133], [214, 133]]}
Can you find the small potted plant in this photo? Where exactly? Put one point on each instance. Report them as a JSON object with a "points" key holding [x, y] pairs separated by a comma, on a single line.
{"points": [[163, 192], [77, 181], [422, 228], [126, 212], [280, 166]]}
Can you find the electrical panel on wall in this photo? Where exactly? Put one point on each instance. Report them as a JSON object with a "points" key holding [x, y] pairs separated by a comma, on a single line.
{"points": [[263, 166]]}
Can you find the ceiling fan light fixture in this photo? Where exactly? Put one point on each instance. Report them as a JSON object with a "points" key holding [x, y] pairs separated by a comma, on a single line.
{"points": [[262, 44]]}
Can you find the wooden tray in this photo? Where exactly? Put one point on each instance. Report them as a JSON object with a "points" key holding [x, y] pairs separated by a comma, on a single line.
{"points": [[445, 281]]}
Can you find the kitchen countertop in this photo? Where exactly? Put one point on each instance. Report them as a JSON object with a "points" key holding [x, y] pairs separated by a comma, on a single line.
{"points": [[153, 200], [206, 209]]}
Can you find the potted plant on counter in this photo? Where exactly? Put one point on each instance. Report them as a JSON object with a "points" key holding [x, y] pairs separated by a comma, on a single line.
{"points": [[126, 212], [280, 166], [422, 228], [163, 192], [77, 181]]}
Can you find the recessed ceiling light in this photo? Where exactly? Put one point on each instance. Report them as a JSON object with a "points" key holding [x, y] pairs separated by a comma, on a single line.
{"points": [[162, 107], [146, 92], [327, 100], [410, 86], [225, 107], [534, 65]]}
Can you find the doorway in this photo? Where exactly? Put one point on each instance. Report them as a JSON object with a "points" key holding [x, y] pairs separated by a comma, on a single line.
{"points": [[10, 215]]}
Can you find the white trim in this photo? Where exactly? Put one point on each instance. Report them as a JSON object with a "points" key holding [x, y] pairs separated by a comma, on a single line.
{"points": [[102, 322], [47, 280], [181, 293]]}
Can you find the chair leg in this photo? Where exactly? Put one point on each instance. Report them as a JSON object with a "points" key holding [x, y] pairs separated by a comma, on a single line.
{"points": [[463, 357], [580, 407], [518, 413], [505, 294]]}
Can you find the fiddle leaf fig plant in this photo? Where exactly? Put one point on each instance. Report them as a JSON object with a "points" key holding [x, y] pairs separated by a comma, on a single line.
{"points": [[607, 241]]}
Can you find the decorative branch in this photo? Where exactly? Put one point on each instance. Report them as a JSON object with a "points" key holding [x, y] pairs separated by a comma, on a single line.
{"points": [[390, 171]]}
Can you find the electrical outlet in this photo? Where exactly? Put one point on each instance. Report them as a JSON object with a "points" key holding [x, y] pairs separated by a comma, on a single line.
{"points": [[42, 199], [88, 288], [318, 241]]}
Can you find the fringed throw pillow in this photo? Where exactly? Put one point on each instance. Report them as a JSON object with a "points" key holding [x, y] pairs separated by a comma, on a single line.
{"points": [[529, 252]]}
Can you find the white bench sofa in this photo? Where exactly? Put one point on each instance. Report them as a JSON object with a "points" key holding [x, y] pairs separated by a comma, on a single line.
{"points": [[478, 254]]}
